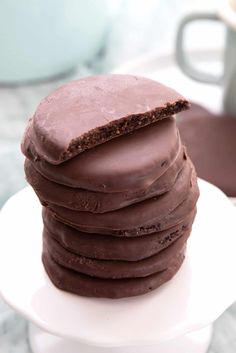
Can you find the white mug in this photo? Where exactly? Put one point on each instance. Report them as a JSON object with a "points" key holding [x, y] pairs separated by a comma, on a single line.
{"points": [[226, 14]]}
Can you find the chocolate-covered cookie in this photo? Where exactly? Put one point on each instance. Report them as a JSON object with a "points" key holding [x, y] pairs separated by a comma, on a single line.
{"points": [[128, 163], [105, 247], [93, 110], [99, 202], [114, 269], [149, 216], [88, 286]]}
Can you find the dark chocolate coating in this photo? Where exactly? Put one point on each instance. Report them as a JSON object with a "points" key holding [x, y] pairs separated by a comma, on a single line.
{"points": [[145, 217], [117, 216], [196, 111], [105, 247], [88, 286], [93, 110], [128, 163], [211, 144], [114, 269], [98, 202]]}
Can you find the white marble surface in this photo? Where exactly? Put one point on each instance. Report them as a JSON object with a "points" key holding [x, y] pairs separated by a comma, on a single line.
{"points": [[137, 29]]}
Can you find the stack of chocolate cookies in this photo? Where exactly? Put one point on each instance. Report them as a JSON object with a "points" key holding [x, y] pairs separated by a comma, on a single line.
{"points": [[119, 192]]}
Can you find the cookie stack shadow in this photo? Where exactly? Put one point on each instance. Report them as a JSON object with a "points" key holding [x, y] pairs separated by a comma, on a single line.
{"points": [[118, 215]]}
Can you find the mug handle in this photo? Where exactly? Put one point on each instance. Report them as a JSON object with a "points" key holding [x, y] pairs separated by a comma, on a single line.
{"points": [[183, 61]]}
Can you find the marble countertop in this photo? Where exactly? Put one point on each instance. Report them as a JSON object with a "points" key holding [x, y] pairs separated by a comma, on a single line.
{"points": [[17, 104]]}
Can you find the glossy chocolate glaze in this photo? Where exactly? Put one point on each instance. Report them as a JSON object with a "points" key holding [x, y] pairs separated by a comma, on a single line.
{"points": [[99, 202], [88, 286], [115, 269], [105, 247], [128, 163], [149, 216], [93, 110]]}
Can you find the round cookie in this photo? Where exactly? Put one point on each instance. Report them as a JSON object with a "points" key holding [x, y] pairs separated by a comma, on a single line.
{"points": [[98, 202], [145, 217], [114, 269], [93, 110], [88, 286], [105, 247], [128, 163]]}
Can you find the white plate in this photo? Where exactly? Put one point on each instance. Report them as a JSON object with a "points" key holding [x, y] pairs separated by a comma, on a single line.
{"points": [[203, 288]]}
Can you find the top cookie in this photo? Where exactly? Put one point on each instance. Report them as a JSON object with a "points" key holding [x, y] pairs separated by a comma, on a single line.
{"points": [[85, 113]]}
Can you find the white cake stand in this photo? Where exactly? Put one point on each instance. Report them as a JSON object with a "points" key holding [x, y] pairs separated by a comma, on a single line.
{"points": [[160, 321]]}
